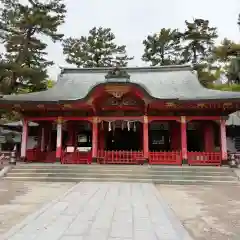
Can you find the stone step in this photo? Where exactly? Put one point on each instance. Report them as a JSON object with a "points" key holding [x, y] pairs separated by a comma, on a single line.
{"points": [[123, 171], [158, 181], [125, 175], [123, 167]]}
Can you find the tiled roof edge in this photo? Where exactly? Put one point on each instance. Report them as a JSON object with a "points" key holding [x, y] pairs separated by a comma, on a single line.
{"points": [[129, 69]]}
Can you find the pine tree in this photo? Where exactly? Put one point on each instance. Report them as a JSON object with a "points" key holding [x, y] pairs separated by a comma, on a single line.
{"points": [[98, 49], [163, 48], [199, 38], [226, 50], [21, 29]]}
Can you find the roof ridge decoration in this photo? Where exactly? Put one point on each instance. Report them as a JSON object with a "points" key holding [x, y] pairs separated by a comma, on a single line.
{"points": [[117, 74]]}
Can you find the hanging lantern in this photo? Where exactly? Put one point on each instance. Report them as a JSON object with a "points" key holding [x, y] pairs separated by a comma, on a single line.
{"points": [[102, 127], [122, 125], [128, 125], [109, 127], [134, 127]]}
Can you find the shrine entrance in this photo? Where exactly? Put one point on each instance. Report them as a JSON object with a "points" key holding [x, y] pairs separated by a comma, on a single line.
{"points": [[125, 136], [121, 141]]}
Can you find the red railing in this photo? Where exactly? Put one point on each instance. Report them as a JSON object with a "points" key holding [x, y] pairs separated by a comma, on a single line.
{"points": [[120, 157], [35, 155], [77, 158], [32, 155], [172, 158], [50, 157], [204, 158]]}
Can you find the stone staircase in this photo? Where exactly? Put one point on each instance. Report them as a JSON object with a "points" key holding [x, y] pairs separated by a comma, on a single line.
{"points": [[122, 173]]}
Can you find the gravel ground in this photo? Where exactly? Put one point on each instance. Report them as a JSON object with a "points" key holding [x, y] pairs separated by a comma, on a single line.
{"points": [[19, 199], [207, 212]]}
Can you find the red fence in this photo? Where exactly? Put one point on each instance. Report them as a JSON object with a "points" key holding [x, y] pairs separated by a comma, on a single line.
{"points": [[77, 158], [126, 157], [173, 158], [120, 157], [35, 155], [204, 158]]}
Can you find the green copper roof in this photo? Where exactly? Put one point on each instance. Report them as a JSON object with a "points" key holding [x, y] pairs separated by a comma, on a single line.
{"points": [[171, 82]]}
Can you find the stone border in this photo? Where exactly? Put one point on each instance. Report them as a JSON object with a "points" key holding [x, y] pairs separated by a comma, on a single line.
{"points": [[237, 172], [34, 215]]}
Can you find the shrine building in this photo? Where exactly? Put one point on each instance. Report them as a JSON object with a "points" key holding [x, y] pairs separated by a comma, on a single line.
{"points": [[134, 115]]}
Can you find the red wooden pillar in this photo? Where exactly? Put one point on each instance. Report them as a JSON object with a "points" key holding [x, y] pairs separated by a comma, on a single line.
{"points": [[223, 140], [59, 139], [24, 139], [94, 138], [184, 138], [208, 137], [145, 138]]}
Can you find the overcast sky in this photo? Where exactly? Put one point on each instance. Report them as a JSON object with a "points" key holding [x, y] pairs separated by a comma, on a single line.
{"points": [[133, 20]]}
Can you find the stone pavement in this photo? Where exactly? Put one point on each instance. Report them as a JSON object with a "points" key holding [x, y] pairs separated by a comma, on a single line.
{"points": [[103, 211], [237, 171]]}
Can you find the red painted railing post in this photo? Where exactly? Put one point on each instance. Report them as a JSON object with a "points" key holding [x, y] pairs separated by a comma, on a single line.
{"points": [[223, 139], [24, 139], [184, 138], [145, 138], [94, 138]]}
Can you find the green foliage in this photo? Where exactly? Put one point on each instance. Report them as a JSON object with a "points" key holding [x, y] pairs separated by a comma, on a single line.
{"points": [[198, 41], [162, 48], [206, 74], [95, 50], [24, 66], [222, 52], [50, 83], [199, 38], [194, 46], [226, 87]]}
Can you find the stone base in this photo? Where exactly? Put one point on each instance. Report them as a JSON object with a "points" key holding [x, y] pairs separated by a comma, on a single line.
{"points": [[12, 163], [23, 159]]}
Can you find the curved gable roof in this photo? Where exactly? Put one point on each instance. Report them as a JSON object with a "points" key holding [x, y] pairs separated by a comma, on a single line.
{"points": [[170, 82]]}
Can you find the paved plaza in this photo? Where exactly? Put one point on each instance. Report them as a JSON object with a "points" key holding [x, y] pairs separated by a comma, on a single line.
{"points": [[103, 211]]}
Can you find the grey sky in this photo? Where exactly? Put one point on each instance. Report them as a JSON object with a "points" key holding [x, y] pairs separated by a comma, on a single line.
{"points": [[133, 20]]}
